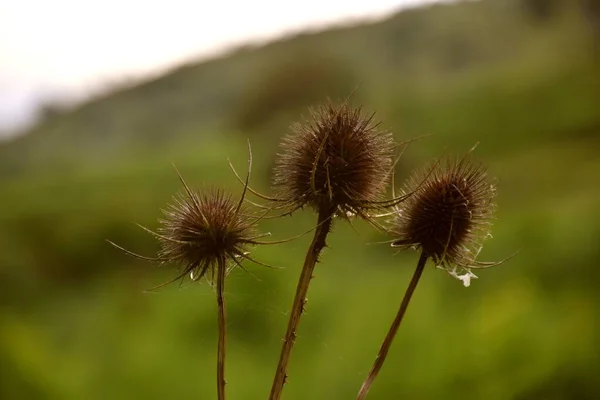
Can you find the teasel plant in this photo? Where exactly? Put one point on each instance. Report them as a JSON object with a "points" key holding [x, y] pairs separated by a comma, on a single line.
{"points": [[446, 218], [207, 234], [338, 163]]}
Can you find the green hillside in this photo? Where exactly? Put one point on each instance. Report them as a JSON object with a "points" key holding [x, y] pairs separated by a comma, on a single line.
{"points": [[521, 77], [420, 69]]}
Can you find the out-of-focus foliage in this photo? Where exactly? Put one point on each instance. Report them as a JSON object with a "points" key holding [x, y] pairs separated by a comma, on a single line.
{"points": [[541, 9], [290, 84], [75, 322]]}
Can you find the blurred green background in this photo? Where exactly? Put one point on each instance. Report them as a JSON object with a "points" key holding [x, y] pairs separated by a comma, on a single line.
{"points": [[522, 77]]}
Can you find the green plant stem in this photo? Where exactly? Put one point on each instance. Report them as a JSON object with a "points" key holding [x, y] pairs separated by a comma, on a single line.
{"points": [[312, 257], [387, 343], [222, 322]]}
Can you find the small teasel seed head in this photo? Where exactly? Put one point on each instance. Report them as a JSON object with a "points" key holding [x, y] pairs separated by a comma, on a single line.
{"points": [[201, 228], [339, 160], [448, 215]]}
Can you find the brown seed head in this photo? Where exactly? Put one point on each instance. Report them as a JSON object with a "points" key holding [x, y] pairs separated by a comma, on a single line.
{"points": [[448, 215], [200, 228], [338, 161]]}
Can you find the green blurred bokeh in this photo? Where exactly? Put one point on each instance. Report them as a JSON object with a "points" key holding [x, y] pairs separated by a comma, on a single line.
{"points": [[521, 77]]}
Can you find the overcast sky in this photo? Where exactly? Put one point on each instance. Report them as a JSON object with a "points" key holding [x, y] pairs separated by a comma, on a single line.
{"points": [[73, 47]]}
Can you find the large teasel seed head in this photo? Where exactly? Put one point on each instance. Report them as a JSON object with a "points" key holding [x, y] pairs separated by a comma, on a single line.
{"points": [[447, 215], [339, 160]]}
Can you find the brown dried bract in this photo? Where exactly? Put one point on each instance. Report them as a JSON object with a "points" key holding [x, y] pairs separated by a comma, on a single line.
{"points": [[201, 227], [339, 160], [449, 213], [202, 230]]}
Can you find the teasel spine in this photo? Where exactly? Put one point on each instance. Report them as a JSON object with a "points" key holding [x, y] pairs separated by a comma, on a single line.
{"points": [[203, 232], [222, 324], [324, 224], [338, 164], [389, 338], [447, 215]]}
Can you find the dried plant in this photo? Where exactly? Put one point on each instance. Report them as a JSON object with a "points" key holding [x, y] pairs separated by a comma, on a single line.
{"points": [[339, 160], [207, 234], [339, 164], [446, 218]]}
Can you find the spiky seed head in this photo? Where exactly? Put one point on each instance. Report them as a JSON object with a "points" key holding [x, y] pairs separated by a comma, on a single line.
{"points": [[338, 160], [448, 214], [200, 228]]}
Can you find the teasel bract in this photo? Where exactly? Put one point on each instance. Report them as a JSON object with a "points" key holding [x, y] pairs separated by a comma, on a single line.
{"points": [[207, 234], [340, 161], [339, 164], [447, 217]]}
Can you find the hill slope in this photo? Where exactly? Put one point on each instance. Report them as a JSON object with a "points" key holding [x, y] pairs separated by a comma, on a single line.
{"points": [[420, 68]]}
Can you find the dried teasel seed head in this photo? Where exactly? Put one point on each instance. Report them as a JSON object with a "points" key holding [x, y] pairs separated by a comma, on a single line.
{"points": [[447, 216], [200, 228], [339, 161], [205, 230]]}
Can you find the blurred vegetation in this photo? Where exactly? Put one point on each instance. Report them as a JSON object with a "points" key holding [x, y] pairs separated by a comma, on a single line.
{"points": [[289, 83], [521, 77]]}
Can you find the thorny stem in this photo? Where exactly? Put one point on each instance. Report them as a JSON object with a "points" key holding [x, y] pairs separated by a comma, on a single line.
{"points": [[387, 343], [312, 257], [222, 329]]}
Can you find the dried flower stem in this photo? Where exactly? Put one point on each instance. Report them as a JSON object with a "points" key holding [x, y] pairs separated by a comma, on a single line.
{"points": [[222, 328], [312, 257], [387, 343]]}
